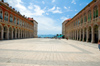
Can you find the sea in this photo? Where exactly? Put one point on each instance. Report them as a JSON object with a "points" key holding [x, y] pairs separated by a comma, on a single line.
{"points": [[45, 36]]}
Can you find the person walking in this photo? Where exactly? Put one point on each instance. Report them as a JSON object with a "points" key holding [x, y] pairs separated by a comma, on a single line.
{"points": [[99, 45]]}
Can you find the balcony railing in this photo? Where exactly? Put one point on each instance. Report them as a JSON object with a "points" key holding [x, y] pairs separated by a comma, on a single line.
{"points": [[96, 19]]}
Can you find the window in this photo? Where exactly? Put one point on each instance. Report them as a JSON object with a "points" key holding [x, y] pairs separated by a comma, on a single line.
{"points": [[81, 20], [15, 20], [23, 23], [89, 15], [11, 18], [76, 22], [6, 16], [18, 22], [95, 12], [1, 17], [85, 18]]}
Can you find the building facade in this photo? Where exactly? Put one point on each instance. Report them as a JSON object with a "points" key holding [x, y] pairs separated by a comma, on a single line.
{"points": [[13, 25], [85, 26], [35, 27], [63, 27]]}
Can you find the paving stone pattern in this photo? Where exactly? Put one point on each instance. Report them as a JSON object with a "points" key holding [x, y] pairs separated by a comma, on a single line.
{"points": [[48, 52]]}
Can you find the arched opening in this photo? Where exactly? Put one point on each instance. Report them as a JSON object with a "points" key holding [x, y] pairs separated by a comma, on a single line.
{"points": [[96, 34], [0, 32], [20, 34], [89, 39], [78, 34], [14, 33], [85, 34], [81, 34], [10, 33], [5, 32], [17, 33]]}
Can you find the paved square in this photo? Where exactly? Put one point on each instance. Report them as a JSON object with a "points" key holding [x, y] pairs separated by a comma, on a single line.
{"points": [[48, 52]]}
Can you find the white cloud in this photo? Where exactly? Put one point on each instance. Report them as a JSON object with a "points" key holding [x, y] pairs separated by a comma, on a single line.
{"points": [[53, 0], [80, 4], [46, 25], [30, 6], [68, 8], [63, 18], [55, 10], [38, 10], [52, 9], [65, 7], [75, 10], [34, 9], [43, 2], [73, 1], [47, 13]]}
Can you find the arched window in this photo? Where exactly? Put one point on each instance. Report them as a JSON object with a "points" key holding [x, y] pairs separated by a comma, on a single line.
{"points": [[1, 14], [95, 12], [18, 22], [81, 19], [89, 15], [6, 16], [85, 18], [14, 20], [76, 22], [11, 18], [23, 23]]}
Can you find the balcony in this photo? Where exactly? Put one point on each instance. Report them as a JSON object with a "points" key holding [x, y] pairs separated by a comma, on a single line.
{"points": [[95, 20]]}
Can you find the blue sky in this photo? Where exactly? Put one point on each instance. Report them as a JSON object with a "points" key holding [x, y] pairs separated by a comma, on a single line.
{"points": [[49, 13]]}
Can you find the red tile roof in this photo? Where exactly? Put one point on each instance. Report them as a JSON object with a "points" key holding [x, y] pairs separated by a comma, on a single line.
{"points": [[68, 19], [30, 18]]}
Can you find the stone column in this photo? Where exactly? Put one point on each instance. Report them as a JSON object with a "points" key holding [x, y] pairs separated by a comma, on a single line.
{"points": [[92, 30], [80, 35], [87, 34], [18, 34], [73, 34], [99, 32], [21, 34], [83, 35]]}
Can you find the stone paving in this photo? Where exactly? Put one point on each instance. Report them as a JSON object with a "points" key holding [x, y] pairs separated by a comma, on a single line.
{"points": [[48, 52]]}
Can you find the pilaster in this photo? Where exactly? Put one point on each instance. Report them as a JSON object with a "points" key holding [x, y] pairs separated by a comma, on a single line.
{"points": [[99, 32], [80, 35], [87, 34], [83, 35], [92, 30]]}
